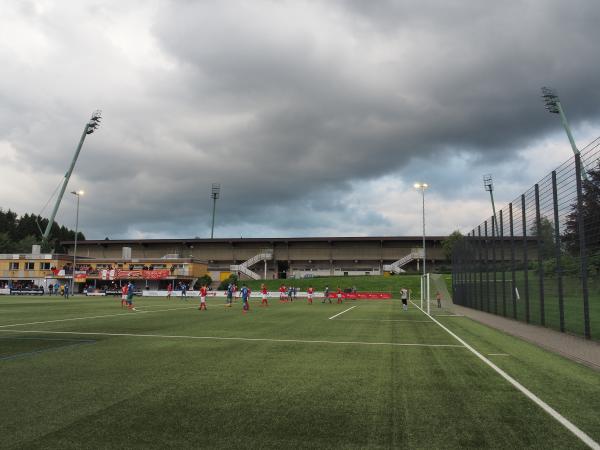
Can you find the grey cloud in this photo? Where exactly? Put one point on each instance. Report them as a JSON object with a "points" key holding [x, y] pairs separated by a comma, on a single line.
{"points": [[286, 115]]}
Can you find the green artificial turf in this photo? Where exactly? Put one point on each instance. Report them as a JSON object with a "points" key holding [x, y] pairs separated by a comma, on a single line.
{"points": [[91, 375]]}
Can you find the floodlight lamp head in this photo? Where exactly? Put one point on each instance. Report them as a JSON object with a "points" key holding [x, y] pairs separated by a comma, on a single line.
{"points": [[551, 100], [216, 189], [488, 183], [94, 122], [422, 186]]}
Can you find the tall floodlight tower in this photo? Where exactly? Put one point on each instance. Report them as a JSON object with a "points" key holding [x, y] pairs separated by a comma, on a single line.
{"points": [[553, 106], [215, 194], [489, 186], [89, 128], [424, 278], [78, 194]]}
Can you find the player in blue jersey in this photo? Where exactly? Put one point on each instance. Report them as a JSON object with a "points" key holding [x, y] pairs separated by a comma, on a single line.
{"points": [[245, 297]]}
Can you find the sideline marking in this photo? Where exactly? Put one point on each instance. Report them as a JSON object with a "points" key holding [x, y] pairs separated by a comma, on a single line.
{"points": [[96, 317], [218, 338], [346, 310], [542, 404], [386, 320]]}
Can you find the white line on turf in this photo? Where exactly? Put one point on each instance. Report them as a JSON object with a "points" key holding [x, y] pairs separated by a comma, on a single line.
{"points": [[534, 398], [95, 317], [219, 338], [387, 320], [346, 310]]}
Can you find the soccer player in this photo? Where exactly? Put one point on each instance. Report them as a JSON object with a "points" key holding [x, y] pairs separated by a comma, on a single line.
{"points": [[310, 294], [203, 298], [230, 289], [281, 293], [263, 290], [130, 289], [184, 290], [123, 296], [438, 297], [339, 295], [326, 295], [245, 294], [404, 298], [169, 290], [290, 293]]}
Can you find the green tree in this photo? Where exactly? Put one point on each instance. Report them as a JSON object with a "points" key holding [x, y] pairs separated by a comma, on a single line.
{"points": [[590, 215], [545, 236], [450, 242]]}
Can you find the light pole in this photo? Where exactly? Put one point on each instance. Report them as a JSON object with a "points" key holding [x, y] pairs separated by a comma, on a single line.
{"points": [[76, 194], [489, 186], [422, 187], [554, 106], [215, 193]]}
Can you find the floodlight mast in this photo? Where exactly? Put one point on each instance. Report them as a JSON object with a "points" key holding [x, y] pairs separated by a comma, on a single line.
{"points": [[89, 128], [215, 193], [489, 186], [554, 106]]}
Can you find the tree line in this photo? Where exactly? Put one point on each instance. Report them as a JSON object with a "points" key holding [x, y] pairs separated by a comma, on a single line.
{"points": [[18, 234]]}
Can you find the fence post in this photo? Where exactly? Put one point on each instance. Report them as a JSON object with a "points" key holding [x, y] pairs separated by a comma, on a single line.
{"points": [[487, 269], [494, 284], [503, 263], [525, 258], [540, 242], [557, 254], [582, 249], [513, 260], [479, 258]]}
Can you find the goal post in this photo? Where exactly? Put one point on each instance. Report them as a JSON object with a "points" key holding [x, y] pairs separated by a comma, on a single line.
{"points": [[425, 292]]}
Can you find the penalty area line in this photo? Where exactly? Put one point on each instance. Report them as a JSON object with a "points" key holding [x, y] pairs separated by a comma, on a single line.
{"points": [[585, 438], [219, 338], [346, 310]]}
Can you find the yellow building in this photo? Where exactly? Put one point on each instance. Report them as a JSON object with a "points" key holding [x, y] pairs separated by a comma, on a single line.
{"points": [[36, 272]]}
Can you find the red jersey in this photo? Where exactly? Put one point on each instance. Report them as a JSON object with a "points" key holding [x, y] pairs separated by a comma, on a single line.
{"points": [[311, 290], [203, 292], [124, 290], [282, 289], [264, 291]]}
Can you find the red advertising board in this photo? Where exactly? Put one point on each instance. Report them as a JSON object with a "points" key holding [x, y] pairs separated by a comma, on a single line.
{"points": [[143, 274]]}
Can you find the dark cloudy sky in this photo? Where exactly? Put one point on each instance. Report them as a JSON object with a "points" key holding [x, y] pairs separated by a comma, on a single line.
{"points": [[315, 116]]}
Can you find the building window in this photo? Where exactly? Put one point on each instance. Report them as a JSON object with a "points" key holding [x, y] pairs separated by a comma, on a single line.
{"points": [[14, 266], [29, 265], [46, 266]]}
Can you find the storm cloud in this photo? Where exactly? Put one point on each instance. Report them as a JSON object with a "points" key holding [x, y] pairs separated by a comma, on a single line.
{"points": [[315, 117]]}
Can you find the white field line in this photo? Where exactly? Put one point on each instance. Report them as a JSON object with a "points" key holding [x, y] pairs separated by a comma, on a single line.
{"points": [[387, 320], [534, 398], [129, 313], [219, 338], [346, 310]]}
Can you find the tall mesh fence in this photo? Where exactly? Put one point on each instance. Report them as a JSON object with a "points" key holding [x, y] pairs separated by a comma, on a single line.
{"points": [[538, 260]]}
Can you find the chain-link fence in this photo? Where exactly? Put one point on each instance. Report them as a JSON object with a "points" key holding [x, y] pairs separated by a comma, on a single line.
{"points": [[538, 260]]}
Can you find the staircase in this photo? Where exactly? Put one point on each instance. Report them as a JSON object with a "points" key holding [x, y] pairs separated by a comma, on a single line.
{"points": [[264, 255], [396, 266]]}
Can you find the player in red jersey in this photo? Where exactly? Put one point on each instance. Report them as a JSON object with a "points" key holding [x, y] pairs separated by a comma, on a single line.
{"points": [[265, 295], [310, 294], [169, 290], [203, 298], [282, 293], [339, 295], [123, 296]]}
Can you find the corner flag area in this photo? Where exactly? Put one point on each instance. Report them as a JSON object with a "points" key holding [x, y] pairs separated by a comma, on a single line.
{"points": [[85, 373]]}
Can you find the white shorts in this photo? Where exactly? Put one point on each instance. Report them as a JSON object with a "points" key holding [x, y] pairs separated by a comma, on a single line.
{"points": [[310, 296], [123, 296], [202, 299]]}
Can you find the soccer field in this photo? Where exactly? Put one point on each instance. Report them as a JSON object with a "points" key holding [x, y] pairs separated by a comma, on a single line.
{"points": [[84, 373]]}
